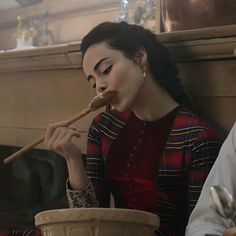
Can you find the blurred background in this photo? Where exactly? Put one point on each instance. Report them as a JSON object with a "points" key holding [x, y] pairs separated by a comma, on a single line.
{"points": [[27, 23]]}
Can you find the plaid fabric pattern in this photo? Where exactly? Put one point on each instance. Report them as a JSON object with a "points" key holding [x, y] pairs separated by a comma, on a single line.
{"points": [[21, 233], [190, 151]]}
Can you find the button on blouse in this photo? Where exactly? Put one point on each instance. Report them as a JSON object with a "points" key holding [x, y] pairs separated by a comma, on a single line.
{"points": [[133, 161]]}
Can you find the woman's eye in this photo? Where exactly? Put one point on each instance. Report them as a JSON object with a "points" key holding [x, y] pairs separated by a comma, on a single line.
{"points": [[108, 69], [92, 82]]}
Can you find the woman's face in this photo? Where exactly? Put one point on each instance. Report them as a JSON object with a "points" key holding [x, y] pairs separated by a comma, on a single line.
{"points": [[108, 69]]}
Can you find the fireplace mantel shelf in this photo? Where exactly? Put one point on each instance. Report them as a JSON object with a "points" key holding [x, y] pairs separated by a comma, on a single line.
{"points": [[200, 44]]}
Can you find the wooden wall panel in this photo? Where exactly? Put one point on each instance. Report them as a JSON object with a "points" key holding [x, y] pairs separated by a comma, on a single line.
{"points": [[212, 85], [220, 112], [210, 78], [28, 100]]}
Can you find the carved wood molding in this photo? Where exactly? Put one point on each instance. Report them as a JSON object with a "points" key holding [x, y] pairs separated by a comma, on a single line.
{"points": [[225, 31], [69, 56], [42, 58], [211, 49], [201, 44]]}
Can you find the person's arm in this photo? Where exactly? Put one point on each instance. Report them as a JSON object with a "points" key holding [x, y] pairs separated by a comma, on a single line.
{"points": [[96, 192], [80, 191], [204, 219], [58, 138], [84, 197], [205, 146]]}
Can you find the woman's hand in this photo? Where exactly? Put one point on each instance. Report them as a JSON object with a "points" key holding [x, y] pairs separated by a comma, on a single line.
{"points": [[58, 138], [230, 232]]}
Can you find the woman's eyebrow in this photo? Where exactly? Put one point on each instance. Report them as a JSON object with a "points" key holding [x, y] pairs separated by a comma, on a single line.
{"points": [[96, 66], [98, 63]]}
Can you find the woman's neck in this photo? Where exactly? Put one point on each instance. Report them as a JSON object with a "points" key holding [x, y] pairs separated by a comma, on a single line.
{"points": [[153, 102]]}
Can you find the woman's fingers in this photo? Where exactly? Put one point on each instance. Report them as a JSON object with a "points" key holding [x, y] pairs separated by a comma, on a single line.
{"points": [[61, 138], [55, 138], [52, 126], [50, 140], [65, 138], [58, 138], [230, 232]]}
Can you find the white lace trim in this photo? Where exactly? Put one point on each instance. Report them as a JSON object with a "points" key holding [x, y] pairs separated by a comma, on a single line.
{"points": [[84, 197]]}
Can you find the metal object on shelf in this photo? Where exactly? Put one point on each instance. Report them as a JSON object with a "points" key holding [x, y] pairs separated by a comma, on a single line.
{"points": [[189, 14], [144, 14]]}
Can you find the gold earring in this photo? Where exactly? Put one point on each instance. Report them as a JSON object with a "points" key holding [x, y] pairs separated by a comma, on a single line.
{"points": [[144, 72]]}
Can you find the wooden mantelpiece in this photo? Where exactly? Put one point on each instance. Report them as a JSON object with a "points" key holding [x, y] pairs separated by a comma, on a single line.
{"points": [[189, 45], [42, 83], [201, 44], [44, 58]]}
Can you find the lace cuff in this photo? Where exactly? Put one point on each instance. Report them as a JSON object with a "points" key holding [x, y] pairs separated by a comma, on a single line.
{"points": [[84, 197]]}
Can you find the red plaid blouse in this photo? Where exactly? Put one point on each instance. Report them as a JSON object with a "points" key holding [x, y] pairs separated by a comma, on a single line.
{"points": [[157, 166]]}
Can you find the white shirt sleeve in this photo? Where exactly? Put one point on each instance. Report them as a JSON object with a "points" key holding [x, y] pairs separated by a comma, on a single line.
{"points": [[204, 219]]}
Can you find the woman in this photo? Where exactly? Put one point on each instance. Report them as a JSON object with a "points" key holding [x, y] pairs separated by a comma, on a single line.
{"points": [[149, 151], [204, 219]]}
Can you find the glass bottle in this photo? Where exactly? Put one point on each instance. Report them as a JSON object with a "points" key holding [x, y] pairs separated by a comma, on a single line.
{"points": [[144, 14], [124, 10]]}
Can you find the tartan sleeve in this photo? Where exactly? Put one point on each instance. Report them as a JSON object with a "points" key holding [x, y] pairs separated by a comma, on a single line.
{"points": [[95, 165], [205, 149]]}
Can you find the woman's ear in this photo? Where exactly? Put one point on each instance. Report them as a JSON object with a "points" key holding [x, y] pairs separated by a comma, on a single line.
{"points": [[140, 57]]}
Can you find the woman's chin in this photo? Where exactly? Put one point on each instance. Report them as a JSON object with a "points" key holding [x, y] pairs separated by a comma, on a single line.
{"points": [[121, 108]]}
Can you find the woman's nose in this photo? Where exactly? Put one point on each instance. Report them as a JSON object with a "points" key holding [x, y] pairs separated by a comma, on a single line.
{"points": [[101, 87]]}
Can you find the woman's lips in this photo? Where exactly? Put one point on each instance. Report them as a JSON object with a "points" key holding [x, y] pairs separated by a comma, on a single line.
{"points": [[114, 100]]}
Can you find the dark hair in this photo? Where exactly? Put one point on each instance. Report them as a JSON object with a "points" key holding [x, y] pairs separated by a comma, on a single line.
{"points": [[128, 39]]}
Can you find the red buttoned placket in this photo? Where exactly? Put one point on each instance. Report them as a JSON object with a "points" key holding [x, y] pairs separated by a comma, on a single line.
{"points": [[133, 162]]}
